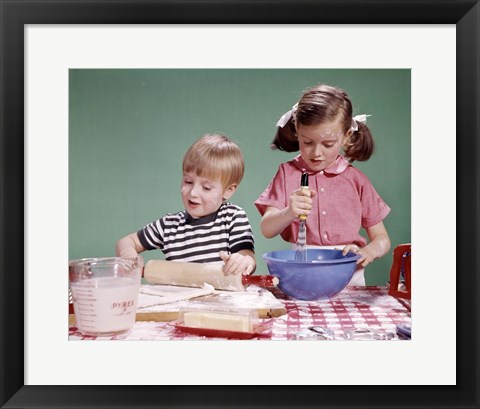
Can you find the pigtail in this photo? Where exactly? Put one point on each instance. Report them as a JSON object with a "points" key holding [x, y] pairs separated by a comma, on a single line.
{"points": [[286, 137], [360, 145]]}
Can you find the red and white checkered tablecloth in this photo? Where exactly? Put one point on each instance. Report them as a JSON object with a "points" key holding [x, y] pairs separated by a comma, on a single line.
{"points": [[355, 313]]}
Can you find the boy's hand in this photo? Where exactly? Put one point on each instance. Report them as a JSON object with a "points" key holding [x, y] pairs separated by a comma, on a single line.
{"points": [[236, 263], [129, 253], [301, 202], [129, 246]]}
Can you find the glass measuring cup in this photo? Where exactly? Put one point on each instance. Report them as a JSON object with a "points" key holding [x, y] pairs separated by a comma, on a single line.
{"points": [[105, 293]]}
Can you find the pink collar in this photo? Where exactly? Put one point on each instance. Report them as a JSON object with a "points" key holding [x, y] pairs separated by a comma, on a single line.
{"points": [[335, 168]]}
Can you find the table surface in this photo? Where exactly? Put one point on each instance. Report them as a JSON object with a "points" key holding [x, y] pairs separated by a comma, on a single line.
{"points": [[356, 313]]}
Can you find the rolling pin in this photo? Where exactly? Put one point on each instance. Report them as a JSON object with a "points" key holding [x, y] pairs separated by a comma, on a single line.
{"points": [[196, 274]]}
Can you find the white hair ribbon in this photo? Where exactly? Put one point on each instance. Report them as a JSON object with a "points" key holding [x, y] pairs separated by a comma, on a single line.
{"points": [[286, 116], [358, 118]]}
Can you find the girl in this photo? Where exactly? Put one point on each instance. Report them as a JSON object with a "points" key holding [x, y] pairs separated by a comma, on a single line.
{"points": [[340, 199]]}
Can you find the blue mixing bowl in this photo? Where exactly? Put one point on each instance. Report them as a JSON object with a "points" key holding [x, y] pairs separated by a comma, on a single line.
{"points": [[323, 275]]}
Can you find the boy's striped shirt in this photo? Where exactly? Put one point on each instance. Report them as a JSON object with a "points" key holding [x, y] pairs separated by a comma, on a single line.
{"points": [[183, 238]]}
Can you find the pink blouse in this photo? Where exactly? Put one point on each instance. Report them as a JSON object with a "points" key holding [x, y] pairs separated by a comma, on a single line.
{"points": [[345, 201]]}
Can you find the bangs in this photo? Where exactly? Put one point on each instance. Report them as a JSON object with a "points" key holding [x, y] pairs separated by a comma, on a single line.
{"points": [[205, 167], [215, 162]]}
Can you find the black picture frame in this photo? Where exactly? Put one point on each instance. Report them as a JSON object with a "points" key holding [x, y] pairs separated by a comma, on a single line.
{"points": [[465, 14]]}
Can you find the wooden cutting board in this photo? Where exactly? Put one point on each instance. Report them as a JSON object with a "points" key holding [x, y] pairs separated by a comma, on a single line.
{"points": [[165, 316]]}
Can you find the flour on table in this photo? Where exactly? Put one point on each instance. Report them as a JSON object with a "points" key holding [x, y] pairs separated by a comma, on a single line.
{"points": [[151, 295], [172, 298]]}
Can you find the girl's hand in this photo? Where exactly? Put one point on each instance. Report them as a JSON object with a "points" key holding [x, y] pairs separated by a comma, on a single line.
{"points": [[379, 245], [300, 202], [367, 255], [236, 263]]}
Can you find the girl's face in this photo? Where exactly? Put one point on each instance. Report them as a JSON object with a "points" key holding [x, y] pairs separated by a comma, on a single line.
{"points": [[320, 144], [202, 196]]}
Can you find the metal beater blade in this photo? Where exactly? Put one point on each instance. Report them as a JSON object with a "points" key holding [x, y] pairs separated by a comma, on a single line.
{"points": [[301, 253]]}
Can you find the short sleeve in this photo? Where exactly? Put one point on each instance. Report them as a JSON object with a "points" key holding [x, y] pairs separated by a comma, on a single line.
{"points": [[240, 233], [374, 209], [275, 193], [151, 235]]}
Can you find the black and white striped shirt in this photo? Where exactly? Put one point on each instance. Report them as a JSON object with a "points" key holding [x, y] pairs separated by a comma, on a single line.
{"points": [[183, 238]]}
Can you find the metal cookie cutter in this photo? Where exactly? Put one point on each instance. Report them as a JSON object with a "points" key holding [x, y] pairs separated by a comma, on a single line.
{"points": [[404, 331], [367, 334], [315, 333]]}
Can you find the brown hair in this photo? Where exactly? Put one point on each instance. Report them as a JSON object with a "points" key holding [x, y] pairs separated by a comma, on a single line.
{"points": [[215, 156], [324, 103]]}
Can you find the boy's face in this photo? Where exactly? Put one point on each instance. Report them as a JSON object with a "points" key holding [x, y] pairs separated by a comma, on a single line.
{"points": [[202, 196]]}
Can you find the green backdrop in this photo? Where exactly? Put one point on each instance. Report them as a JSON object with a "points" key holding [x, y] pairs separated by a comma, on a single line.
{"points": [[129, 129]]}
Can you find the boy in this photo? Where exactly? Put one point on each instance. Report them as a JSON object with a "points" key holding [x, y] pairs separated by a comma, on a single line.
{"points": [[210, 229]]}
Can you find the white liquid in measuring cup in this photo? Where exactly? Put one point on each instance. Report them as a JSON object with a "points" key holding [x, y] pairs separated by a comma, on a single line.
{"points": [[105, 306]]}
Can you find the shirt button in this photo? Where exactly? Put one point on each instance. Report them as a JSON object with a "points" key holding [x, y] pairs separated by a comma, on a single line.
{"points": [[321, 172], [322, 189], [324, 212], [325, 236]]}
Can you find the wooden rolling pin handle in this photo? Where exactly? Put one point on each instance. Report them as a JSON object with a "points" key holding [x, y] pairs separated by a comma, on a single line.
{"points": [[260, 280]]}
